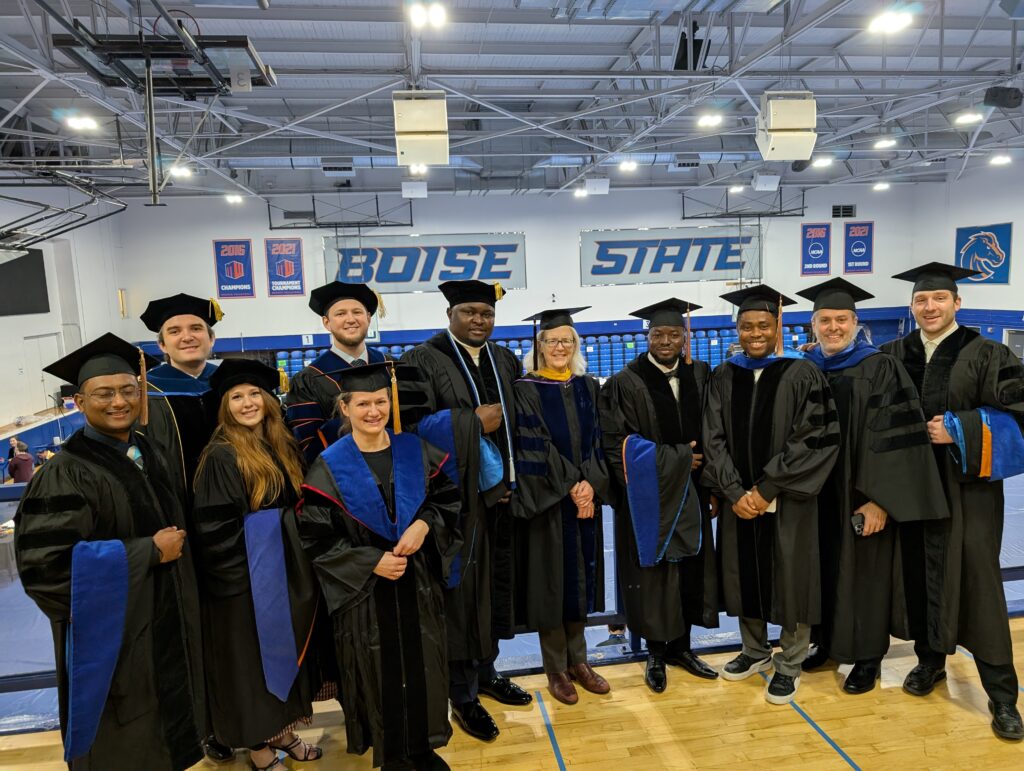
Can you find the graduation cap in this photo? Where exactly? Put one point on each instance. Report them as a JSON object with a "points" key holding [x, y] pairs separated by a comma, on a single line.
{"points": [[936, 275], [836, 294], [458, 292], [761, 298], [106, 355], [233, 372], [323, 297], [370, 378], [551, 319], [158, 311], [669, 313]]}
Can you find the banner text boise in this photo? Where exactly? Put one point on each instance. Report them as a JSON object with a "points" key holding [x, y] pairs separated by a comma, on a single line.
{"points": [[399, 264]]}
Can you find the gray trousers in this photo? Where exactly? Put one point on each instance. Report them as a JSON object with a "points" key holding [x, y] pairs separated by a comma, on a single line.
{"points": [[794, 645], [563, 646]]}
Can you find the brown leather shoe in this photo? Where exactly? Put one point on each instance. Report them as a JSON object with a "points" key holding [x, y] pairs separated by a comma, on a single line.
{"points": [[588, 678], [561, 688]]}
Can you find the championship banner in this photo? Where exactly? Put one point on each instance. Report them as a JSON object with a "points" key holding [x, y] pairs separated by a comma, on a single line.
{"points": [[815, 248], [233, 261], [285, 276], [985, 248], [859, 247], [667, 255], [419, 263]]}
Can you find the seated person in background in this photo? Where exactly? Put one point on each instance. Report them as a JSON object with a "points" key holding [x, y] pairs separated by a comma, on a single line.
{"points": [[21, 465]]}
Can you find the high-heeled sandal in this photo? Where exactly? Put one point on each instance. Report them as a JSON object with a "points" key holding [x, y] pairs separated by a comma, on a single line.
{"points": [[275, 763], [312, 752]]}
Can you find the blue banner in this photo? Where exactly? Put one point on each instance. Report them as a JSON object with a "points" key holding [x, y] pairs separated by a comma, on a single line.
{"points": [[815, 248], [985, 248], [859, 247], [233, 261], [285, 275], [667, 255]]}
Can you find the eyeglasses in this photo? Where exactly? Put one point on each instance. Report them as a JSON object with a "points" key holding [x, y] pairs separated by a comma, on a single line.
{"points": [[106, 395], [565, 342]]}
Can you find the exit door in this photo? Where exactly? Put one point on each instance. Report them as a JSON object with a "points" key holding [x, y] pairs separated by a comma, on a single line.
{"points": [[40, 387], [1015, 339]]}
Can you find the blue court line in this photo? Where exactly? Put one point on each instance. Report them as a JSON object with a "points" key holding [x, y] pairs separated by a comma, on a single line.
{"points": [[551, 731], [820, 730], [970, 655]]}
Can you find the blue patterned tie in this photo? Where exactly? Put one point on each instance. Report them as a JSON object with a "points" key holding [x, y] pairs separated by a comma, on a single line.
{"points": [[135, 454]]}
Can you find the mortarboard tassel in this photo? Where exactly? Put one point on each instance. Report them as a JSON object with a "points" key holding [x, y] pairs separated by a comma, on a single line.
{"points": [[215, 310], [397, 421], [283, 380], [382, 310], [778, 330], [689, 358], [499, 291], [144, 389]]}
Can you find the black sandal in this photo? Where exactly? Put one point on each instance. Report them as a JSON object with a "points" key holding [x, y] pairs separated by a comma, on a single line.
{"points": [[276, 763], [312, 751]]}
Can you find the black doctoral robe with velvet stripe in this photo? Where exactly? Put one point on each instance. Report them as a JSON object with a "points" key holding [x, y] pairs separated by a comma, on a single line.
{"points": [[389, 635], [884, 457], [558, 443], [482, 607], [955, 561], [90, 491], [663, 600], [243, 712], [781, 434]]}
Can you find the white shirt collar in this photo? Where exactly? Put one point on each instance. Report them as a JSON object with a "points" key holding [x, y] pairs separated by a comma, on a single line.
{"points": [[936, 341], [349, 359], [667, 370]]}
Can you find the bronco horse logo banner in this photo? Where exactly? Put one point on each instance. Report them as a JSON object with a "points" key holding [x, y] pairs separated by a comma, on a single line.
{"points": [[985, 248]]}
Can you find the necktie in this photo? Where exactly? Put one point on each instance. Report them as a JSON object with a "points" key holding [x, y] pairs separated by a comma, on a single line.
{"points": [[358, 362], [135, 454]]}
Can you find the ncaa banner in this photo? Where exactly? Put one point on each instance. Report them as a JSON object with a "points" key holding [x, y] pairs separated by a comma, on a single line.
{"points": [[985, 248], [233, 261], [815, 248], [284, 267], [858, 247], [665, 255], [419, 263]]}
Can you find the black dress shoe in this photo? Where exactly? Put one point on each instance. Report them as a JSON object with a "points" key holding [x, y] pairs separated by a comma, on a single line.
{"points": [[922, 680], [475, 720], [689, 661], [862, 678], [655, 676], [1006, 722], [816, 658], [217, 752], [429, 761], [503, 690]]}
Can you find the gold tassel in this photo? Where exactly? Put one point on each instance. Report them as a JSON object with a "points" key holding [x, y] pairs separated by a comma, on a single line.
{"points": [[689, 359], [215, 311], [778, 330], [499, 292], [396, 420], [382, 310], [144, 390], [283, 378]]}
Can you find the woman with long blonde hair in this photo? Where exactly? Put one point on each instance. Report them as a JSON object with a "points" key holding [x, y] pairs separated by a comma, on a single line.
{"points": [[263, 667]]}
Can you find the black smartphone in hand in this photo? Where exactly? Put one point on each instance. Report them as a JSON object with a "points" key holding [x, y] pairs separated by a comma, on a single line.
{"points": [[857, 520]]}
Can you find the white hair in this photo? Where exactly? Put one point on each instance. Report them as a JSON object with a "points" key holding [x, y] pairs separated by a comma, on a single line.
{"points": [[577, 364]]}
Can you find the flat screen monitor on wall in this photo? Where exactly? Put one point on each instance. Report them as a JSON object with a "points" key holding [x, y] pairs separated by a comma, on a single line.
{"points": [[23, 285]]}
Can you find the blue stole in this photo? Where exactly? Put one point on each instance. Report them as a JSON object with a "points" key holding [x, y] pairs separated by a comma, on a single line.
{"points": [[169, 381], [1002, 444], [437, 429], [268, 578], [744, 361], [639, 460], [99, 599], [359, 491], [850, 356]]}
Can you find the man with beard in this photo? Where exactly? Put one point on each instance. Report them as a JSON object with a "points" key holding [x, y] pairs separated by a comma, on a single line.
{"points": [[885, 477], [972, 392], [770, 441], [469, 412], [345, 311], [651, 414]]}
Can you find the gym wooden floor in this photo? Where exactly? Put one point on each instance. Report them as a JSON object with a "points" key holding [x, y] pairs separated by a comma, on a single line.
{"points": [[697, 724]]}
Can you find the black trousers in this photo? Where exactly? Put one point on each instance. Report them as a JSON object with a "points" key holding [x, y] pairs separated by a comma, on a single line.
{"points": [[677, 646], [464, 676], [999, 681]]}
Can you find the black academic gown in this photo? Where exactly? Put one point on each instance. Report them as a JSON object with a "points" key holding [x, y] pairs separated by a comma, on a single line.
{"points": [[244, 713], [90, 491], [884, 457], [389, 635], [311, 402], [781, 434], [663, 600], [558, 443], [481, 607], [951, 567]]}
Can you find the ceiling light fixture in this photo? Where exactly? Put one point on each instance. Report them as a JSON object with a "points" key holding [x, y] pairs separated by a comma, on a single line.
{"points": [[580, 192], [627, 165], [233, 198], [418, 169], [737, 189], [890, 22], [967, 118], [418, 15], [1002, 159], [885, 144], [821, 162], [181, 172], [880, 186], [81, 123], [437, 15], [710, 120]]}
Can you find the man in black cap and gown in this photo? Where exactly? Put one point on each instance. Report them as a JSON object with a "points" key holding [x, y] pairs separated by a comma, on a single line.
{"points": [[651, 413], [468, 411], [972, 392], [885, 476], [771, 437], [101, 549], [310, 404]]}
